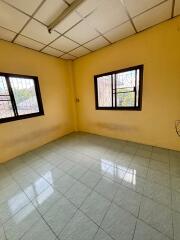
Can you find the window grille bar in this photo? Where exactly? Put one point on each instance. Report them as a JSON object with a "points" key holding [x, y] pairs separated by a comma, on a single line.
{"points": [[11, 96], [20, 97], [125, 92], [115, 90], [112, 90], [135, 88], [131, 80]]}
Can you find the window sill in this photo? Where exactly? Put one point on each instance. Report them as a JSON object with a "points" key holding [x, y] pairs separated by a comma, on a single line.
{"points": [[12, 119], [120, 108]]}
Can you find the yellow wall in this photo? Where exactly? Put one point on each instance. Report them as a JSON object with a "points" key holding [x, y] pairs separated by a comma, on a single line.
{"points": [[60, 81], [158, 49], [55, 79]]}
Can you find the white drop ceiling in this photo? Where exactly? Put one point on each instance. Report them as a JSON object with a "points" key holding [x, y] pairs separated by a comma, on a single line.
{"points": [[93, 25]]}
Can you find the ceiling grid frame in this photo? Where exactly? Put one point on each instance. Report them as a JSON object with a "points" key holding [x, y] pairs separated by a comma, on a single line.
{"points": [[85, 18], [149, 9], [82, 19], [129, 16], [43, 1]]}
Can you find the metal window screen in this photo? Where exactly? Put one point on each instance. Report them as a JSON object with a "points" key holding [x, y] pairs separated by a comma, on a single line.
{"points": [[104, 91], [6, 109], [126, 89], [25, 95], [20, 97], [120, 89]]}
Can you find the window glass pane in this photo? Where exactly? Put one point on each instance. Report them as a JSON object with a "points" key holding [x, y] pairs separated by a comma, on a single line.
{"points": [[125, 89], [25, 95], [104, 91], [125, 79], [6, 109], [137, 88], [125, 99], [3, 86], [120, 89]]}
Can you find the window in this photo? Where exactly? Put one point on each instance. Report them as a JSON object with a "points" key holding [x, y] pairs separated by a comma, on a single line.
{"points": [[119, 90], [19, 97]]}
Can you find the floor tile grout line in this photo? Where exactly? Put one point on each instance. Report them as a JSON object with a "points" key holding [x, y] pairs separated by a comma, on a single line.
{"points": [[30, 202], [93, 190], [57, 235], [10, 217], [42, 219], [155, 229], [78, 208], [137, 219], [111, 202], [164, 205], [147, 196], [142, 194], [137, 216], [40, 174], [135, 229], [51, 207], [4, 232], [119, 183]]}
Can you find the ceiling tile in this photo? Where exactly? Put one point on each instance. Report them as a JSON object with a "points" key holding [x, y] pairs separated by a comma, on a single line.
{"points": [[39, 32], [50, 10], [11, 19], [82, 33], [52, 51], [64, 44], [177, 8], [68, 57], [6, 34], [108, 15], [88, 6], [26, 42], [72, 19], [120, 32], [139, 6], [26, 6], [97, 43], [153, 16], [78, 52]]}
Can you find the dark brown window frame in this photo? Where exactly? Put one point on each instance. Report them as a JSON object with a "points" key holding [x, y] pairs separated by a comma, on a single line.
{"points": [[133, 108], [13, 102]]}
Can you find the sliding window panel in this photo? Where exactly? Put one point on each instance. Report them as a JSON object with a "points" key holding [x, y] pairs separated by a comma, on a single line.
{"points": [[120, 89], [104, 91], [6, 108], [126, 89], [125, 99], [25, 95], [137, 87]]}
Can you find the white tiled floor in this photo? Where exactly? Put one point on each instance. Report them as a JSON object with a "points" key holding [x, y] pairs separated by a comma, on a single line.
{"points": [[88, 187]]}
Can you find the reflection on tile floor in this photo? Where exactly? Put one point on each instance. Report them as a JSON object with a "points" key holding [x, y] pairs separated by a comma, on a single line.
{"points": [[88, 187]]}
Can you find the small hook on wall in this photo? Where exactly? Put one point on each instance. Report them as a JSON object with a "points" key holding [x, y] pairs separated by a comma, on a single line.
{"points": [[77, 100]]}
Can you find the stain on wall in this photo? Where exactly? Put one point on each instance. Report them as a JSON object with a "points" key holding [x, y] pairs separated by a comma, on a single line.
{"points": [[55, 79], [158, 49]]}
